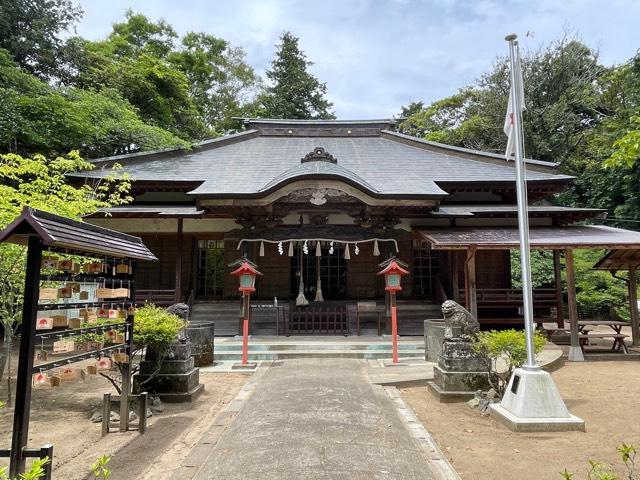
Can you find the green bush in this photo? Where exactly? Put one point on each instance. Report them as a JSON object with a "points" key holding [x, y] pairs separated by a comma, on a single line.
{"points": [[510, 345], [155, 328], [602, 471]]}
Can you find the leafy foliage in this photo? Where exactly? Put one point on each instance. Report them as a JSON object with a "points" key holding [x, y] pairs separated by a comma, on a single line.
{"points": [[34, 473], [506, 345], [156, 328], [31, 31], [42, 183], [99, 468], [542, 274], [38, 117], [294, 92], [597, 292], [601, 471], [578, 113]]}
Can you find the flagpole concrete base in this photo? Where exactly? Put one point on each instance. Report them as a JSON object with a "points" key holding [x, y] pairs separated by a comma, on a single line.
{"points": [[532, 403], [575, 354]]}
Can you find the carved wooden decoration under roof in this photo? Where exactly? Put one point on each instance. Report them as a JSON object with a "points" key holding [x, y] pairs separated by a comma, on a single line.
{"points": [[319, 154]]}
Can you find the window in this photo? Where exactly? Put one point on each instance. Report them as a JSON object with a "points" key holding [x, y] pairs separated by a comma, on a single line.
{"points": [[210, 279], [424, 268]]}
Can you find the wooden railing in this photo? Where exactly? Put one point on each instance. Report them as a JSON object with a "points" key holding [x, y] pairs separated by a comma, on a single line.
{"points": [[511, 297], [322, 318], [157, 297]]}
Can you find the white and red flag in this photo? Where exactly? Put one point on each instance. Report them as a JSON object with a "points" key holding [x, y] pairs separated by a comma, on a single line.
{"points": [[516, 91]]}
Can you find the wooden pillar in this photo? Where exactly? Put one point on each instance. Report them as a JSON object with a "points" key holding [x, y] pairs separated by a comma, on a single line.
{"points": [[179, 238], [575, 352], [455, 282], [22, 408], [633, 305], [470, 282], [557, 273]]}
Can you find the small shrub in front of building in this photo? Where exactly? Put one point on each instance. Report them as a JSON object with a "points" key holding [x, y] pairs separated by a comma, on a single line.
{"points": [[508, 345]]}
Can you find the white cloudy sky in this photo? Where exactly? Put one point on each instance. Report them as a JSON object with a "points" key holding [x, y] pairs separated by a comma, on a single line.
{"points": [[376, 55]]}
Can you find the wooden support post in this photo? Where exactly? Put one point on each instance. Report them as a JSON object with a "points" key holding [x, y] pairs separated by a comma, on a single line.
{"points": [[557, 273], [106, 413], [128, 350], [575, 350], [470, 282], [46, 451], [179, 242], [142, 412], [633, 305], [25, 359], [455, 281]]}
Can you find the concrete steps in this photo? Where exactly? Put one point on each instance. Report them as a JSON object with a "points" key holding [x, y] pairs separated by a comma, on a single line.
{"points": [[325, 348]]}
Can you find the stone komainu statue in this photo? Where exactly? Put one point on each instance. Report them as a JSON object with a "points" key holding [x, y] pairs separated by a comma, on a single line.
{"points": [[179, 309], [455, 315]]}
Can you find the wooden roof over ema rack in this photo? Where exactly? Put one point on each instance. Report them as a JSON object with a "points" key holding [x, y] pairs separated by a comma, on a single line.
{"points": [[550, 238], [63, 234]]}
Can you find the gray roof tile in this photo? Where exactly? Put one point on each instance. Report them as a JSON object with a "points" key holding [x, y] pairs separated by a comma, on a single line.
{"points": [[387, 166]]}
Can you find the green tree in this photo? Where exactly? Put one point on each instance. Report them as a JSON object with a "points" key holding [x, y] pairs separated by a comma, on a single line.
{"points": [[294, 92], [221, 84], [42, 183], [31, 31], [37, 117], [561, 92]]}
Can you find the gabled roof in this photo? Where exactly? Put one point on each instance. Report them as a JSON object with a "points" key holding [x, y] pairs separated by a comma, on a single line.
{"points": [[373, 158], [62, 233], [583, 236]]}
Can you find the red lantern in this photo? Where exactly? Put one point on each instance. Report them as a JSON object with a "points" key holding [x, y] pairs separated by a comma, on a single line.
{"points": [[247, 274], [392, 273]]}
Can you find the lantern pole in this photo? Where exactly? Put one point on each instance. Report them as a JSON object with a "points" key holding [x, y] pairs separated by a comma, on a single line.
{"points": [[245, 327], [394, 325]]}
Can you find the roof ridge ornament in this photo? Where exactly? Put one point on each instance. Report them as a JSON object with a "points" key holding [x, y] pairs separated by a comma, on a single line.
{"points": [[319, 154]]}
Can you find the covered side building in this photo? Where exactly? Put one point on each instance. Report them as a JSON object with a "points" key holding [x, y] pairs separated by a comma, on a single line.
{"points": [[318, 205]]}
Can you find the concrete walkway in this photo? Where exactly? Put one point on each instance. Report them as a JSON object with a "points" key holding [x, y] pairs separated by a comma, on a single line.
{"points": [[317, 419]]}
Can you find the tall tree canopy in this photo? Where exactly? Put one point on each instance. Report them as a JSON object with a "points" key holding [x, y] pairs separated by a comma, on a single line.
{"points": [[141, 87], [578, 113], [30, 30], [294, 92]]}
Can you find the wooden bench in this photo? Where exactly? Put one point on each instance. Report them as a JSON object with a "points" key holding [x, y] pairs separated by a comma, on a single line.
{"points": [[618, 340]]}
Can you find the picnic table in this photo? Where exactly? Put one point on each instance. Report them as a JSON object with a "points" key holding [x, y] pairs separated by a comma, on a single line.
{"points": [[585, 332]]}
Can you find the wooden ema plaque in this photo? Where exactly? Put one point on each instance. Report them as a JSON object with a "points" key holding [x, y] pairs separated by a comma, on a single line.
{"points": [[44, 323], [48, 294]]}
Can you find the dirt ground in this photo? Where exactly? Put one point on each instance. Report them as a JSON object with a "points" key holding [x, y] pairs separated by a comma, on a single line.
{"points": [[604, 394], [60, 416]]}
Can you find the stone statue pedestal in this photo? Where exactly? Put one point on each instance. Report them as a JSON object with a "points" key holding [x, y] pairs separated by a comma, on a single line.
{"points": [[176, 381], [459, 373]]}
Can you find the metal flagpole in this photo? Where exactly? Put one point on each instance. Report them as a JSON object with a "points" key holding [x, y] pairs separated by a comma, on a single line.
{"points": [[531, 401], [521, 188]]}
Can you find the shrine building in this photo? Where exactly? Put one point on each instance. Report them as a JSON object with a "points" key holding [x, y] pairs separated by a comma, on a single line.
{"points": [[319, 205]]}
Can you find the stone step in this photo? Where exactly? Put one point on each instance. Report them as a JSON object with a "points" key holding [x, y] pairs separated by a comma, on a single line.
{"points": [[287, 346], [289, 354]]}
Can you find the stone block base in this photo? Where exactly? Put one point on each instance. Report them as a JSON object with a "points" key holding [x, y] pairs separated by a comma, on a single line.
{"points": [[520, 424], [176, 387], [449, 396], [460, 381]]}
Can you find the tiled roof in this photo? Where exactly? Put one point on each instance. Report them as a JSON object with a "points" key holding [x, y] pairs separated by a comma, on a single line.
{"points": [[385, 163], [584, 236], [76, 237]]}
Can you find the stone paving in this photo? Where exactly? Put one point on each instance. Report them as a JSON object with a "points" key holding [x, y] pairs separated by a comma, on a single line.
{"points": [[317, 419]]}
